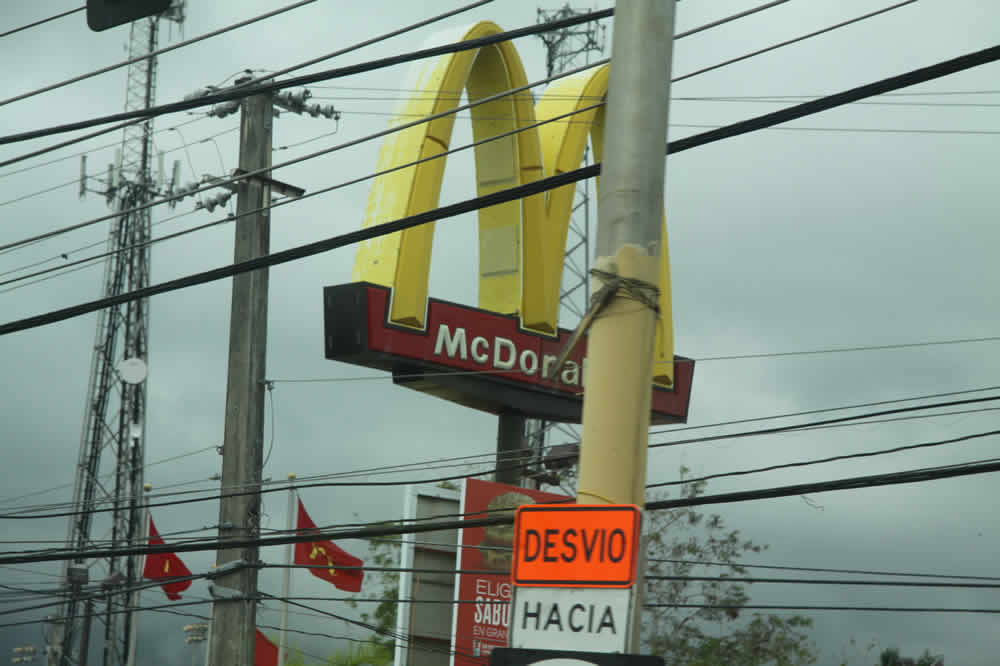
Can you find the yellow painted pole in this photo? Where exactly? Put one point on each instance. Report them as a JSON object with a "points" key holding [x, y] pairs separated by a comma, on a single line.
{"points": [[619, 368]]}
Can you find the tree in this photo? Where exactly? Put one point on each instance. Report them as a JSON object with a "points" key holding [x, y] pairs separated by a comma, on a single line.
{"points": [[679, 540], [365, 654], [891, 657], [702, 622]]}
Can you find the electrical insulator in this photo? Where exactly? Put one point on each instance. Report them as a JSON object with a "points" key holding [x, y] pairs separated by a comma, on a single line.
{"points": [[201, 92], [225, 109]]}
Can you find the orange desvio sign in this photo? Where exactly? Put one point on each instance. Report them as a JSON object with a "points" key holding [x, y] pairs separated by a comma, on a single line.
{"points": [[579, 545]]}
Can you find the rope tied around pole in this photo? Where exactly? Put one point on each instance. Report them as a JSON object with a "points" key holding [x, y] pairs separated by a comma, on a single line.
{"points": [[646, 293]]}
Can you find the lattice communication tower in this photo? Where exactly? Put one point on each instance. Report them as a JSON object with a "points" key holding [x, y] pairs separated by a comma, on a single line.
{"points": [[565, 49], [109, 471]]}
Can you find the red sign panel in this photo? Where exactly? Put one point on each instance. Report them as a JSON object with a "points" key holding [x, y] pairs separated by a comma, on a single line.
{"points": [[482, 615], [474, 357], [584, 545]]}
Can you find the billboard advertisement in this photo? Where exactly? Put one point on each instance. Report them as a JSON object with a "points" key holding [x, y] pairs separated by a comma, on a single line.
{"points": [[482, 614]]}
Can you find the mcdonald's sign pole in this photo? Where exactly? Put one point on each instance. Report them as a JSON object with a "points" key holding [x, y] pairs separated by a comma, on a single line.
{"points": [[616, 404]]}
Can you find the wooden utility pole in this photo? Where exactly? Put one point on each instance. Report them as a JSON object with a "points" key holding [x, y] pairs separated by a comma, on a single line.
{"points": [[616, 403], [234, 610]]}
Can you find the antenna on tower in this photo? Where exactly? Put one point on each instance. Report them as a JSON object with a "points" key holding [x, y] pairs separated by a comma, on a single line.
{"points": [[83, 176], [159, 170]]}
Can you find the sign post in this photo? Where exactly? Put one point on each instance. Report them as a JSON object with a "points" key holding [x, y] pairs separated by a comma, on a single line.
{"points": [[573, 570]]}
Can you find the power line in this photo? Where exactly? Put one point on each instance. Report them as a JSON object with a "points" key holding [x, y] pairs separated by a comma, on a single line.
{"points": [[374, 40], [339, 72], [876, 609], [828, 409], [253, 488], [348, 144], [432, 525], [910, 78], [9, 500], [820, 461], [349, 49], [787, 42], [325, 190], [41, 21], [340, 52], [827, 581], [264, 84], [868, 130], [742, 565], [81, 139], [730, 357], [841, 419], [153, 54], [783, 99], [466, 460], [851, 483], [549, 26], [889, 84], [307, 250]]}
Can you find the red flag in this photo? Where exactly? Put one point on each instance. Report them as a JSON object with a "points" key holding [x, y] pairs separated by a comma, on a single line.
{"points": [[161, 566], [327, 553], [265, 653]]}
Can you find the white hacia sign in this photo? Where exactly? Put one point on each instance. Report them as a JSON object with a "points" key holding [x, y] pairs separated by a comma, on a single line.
{"points": [[582, 619]]}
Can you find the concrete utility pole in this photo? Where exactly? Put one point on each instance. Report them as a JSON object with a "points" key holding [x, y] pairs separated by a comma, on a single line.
{"points": [[234, 619], [616, 403]]}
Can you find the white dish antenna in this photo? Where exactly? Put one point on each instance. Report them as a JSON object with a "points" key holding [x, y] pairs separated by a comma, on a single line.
{"points": [[132, 370]]}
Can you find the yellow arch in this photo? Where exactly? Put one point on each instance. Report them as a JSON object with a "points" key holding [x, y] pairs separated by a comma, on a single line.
{"points": [[402, 260], [521, 243], [563, 145]]}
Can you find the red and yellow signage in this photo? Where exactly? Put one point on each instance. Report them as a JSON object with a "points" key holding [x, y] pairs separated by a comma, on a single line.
{"points": [[583, 545], [521, 243], [476, 358]]}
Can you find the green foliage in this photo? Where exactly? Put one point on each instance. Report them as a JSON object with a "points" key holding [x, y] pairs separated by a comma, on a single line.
{"points": [[891, 657], [365, 654], [382, 552], [678, 540]]}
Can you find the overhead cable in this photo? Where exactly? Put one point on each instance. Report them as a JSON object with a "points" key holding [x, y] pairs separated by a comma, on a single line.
{"points": [[840, 419], [140, 120], [242, 91], [302, 158], [882, 86], [369, 42], [25, 514], [324, 190], [41, 21], [794, 40], [867, 572], [266, 84], [153, 54], [874, 609], [431, 525], [826, 581], [49, 149], [827, 409], [807, 463], [317, 247]]}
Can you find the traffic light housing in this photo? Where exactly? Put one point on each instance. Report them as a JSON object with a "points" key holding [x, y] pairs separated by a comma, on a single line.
{"points": [[104, 14]]}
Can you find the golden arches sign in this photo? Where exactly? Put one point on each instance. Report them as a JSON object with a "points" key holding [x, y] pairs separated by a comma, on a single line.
{"points": [[521, 243]]}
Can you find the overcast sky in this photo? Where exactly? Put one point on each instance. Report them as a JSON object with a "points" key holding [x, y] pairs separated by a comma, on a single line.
{"points": [[781, 240]]}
